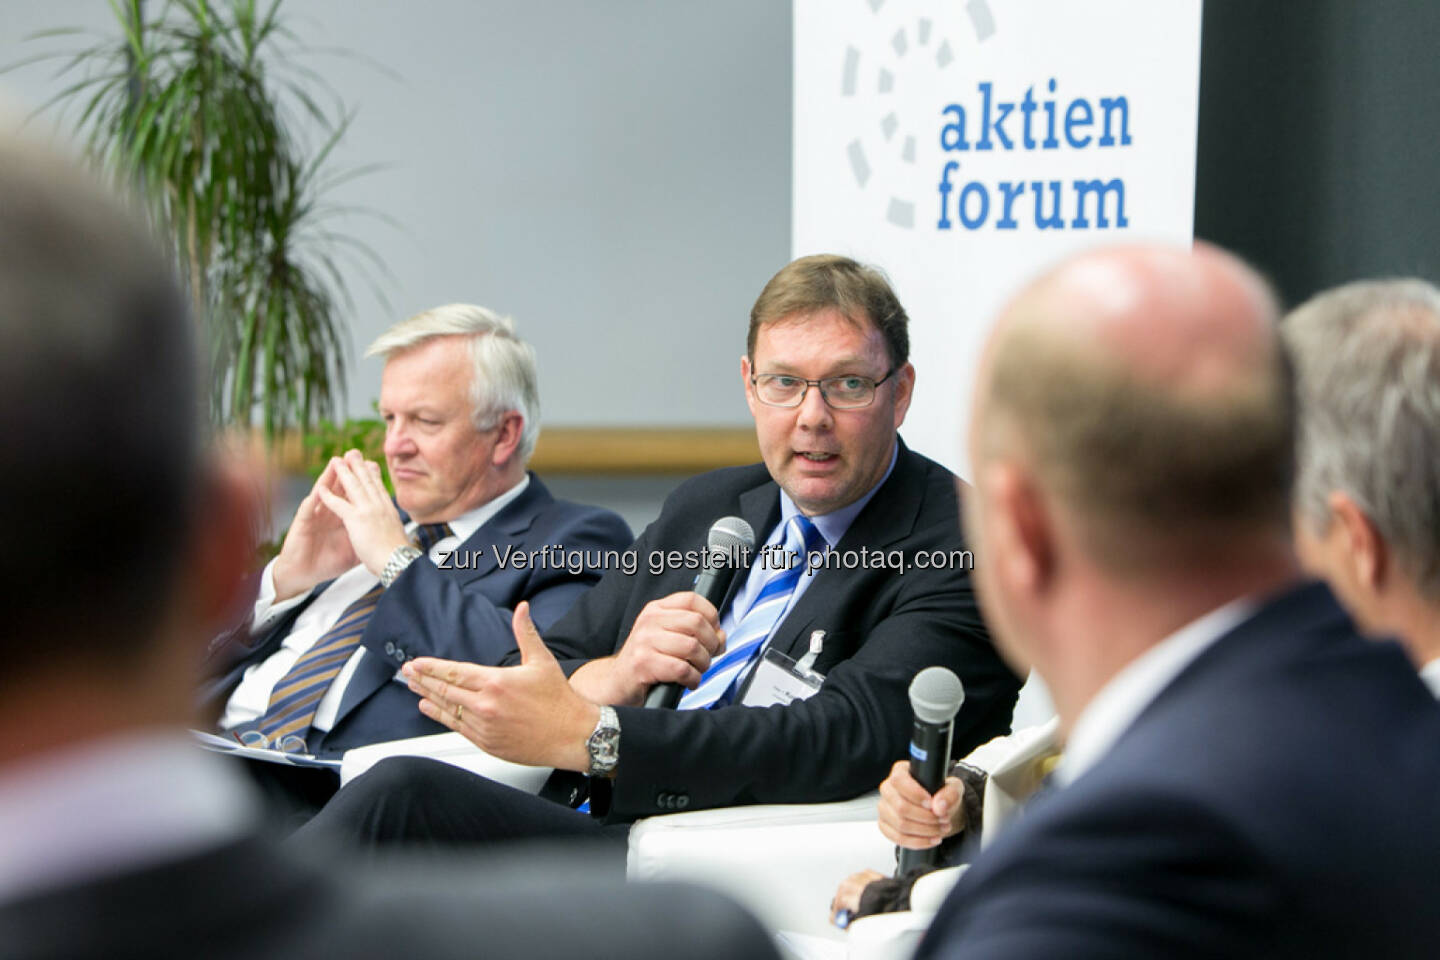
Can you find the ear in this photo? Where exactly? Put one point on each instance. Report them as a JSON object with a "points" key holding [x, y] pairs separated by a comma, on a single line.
{"points": [[219, 556], [904, 391], [745, 385], [1366, 553], [1023, 540], [507, 438]]}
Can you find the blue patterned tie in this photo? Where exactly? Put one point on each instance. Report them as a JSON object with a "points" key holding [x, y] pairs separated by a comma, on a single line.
{"points": [[754, 626], [297, 696]]}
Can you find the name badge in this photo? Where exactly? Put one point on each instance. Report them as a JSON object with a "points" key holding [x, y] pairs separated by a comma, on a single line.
{"points": [[778, 679]]}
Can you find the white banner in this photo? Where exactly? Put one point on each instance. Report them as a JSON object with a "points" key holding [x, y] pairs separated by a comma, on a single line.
{"points": [[962, 145]]}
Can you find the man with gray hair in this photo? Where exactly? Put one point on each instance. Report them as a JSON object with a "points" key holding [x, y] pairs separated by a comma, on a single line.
{"points": [[1367, 494], [360, 587]]}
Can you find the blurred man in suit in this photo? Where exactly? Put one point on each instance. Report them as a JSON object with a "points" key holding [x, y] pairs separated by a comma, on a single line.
{"points": [[360, 587], [1367, 361], [879, 589], [1367, 497], [126, 546], [1243, 775]]}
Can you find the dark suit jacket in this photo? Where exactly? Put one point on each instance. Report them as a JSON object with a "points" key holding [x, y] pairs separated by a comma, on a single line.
{"points": [[252, 900], [1278, 799], [458, 613], [882, 626]]}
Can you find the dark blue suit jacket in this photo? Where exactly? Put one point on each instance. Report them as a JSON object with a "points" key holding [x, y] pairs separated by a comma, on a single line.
{"points": [[882, 626], [1280, 798], [459, 613]]}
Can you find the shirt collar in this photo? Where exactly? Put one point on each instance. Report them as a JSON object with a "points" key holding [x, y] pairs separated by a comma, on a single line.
{"points": [[468, 522], [115, 804], [832, 525], [1111, 711], [1430, 673]]}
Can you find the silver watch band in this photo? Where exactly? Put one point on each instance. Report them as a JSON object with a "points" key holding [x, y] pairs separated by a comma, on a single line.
{"points": [[400, 558]]}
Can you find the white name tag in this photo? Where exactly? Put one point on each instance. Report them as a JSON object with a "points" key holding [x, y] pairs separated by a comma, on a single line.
{"points": [[778, 679]]}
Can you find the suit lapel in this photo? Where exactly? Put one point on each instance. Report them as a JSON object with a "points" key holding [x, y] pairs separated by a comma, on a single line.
{"points": [[481, 552]]}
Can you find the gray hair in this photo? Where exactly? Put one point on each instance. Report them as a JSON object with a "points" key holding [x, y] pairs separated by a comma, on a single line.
{"points": [[503, 378], [101, 413], [1368, 360]]}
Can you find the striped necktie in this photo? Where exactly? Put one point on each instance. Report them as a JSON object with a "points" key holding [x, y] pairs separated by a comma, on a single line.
{"points": [[297, 696], [754, 626]]}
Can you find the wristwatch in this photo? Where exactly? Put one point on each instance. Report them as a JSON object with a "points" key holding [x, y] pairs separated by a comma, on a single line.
{"points": [[604, 744], [400, 558]]}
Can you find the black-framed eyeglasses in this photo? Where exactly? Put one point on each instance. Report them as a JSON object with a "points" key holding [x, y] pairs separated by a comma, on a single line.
{"points": [[839, 393]]}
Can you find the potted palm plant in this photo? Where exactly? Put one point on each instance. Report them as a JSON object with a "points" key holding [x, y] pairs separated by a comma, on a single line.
{"points": [[202, 108]]}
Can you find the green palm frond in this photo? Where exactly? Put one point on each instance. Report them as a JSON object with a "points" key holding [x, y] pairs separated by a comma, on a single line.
{"points": [[199, 108]]}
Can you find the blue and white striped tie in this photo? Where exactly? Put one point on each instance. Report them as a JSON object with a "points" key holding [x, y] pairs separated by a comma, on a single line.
{"points": [[754, 626]]}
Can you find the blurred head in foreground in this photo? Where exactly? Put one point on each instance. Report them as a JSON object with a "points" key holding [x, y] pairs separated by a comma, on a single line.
{"points": [[1132, 443], [104, 482]]}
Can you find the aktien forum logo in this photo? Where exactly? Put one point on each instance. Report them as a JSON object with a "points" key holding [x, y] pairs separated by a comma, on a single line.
{"points": [[981, 121]]}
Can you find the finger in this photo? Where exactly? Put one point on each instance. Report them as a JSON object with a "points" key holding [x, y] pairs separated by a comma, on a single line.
{"points": [[466, 676], [348, 481], [681, 648], [947, 798], [532, 648], [367, 474], [906, 786], [337, 505], [691, 624], [444, 714], [911, 841], [690, 600], [911, 819]]}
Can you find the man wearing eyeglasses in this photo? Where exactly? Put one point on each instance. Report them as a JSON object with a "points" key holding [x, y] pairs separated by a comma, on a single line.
{"points": [[795, 691]]}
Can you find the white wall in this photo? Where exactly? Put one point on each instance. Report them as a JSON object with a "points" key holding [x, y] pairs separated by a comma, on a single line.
{"points": [[614, 175]]}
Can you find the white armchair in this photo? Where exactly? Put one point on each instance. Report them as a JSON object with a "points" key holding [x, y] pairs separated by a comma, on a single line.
{"points": [[783, 861]]}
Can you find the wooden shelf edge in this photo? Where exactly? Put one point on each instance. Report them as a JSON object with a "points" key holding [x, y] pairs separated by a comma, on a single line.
{"points": [[587, 450], [668, 450]]}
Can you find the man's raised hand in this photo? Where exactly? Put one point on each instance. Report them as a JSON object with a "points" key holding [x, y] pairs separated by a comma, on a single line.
{"points": [[317, 546], [364, 507]]}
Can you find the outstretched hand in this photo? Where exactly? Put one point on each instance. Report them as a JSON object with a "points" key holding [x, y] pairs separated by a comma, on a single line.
{"points": [[525, 714]]}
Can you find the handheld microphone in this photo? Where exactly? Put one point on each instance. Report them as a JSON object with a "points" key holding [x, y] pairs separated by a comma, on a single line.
{"points": [[730, 539], [935, 695]]}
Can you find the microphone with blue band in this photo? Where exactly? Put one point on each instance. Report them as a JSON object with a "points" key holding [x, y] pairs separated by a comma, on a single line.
{"points": [[935, 696], [730, 541]]}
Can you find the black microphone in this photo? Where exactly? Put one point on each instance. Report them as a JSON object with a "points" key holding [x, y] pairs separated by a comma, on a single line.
{"points": [[935, 695], [728, 545]]}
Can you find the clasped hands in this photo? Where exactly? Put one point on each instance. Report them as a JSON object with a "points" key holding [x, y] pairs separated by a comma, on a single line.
{"points": [[532, 714], [347, 518]]}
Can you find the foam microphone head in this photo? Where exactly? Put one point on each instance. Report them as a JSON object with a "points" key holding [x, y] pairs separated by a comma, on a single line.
{"points": [[731, 536], [936, 695]]}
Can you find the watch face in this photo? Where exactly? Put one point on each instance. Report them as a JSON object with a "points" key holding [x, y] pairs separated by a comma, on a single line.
{"points": [[604, 745]]}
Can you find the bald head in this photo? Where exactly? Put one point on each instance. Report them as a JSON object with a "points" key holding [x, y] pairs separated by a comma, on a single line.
{"points": [[1145, 390]]}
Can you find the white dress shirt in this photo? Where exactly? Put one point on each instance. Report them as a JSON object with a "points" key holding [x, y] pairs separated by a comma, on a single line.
{"points": [[116, 804], [1111, 711], [252, 696], [832, 527], [1430, 673]]}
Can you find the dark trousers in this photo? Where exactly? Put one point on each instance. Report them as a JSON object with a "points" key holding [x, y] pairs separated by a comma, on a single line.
{"points": [[422, 803]]}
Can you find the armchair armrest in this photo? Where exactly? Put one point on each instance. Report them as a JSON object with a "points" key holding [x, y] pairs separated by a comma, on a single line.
{"points": [[783, 861]]}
